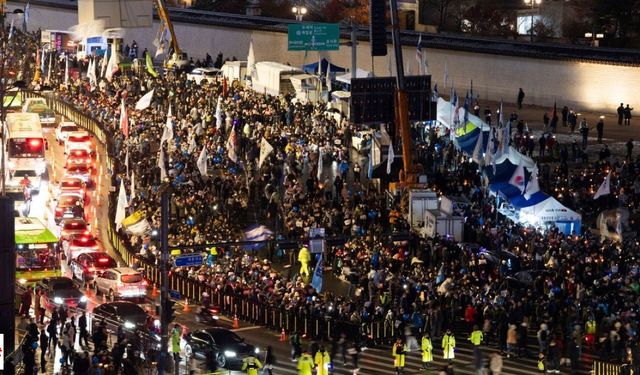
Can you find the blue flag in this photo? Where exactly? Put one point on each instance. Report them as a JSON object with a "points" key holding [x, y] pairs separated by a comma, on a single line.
{"points": [[316, 281]]}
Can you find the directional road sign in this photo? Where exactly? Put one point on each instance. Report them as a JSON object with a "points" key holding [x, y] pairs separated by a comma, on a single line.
{"points": [[189, 260], [314, 37]]}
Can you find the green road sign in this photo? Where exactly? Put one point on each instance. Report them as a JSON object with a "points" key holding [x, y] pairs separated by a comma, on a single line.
{"points": [[314, 37]]}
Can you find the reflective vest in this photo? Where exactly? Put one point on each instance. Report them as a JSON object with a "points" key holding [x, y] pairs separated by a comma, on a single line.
{"points": [[476, 337], [591, 327], [305, 365], [541, 364], [251, 364]]}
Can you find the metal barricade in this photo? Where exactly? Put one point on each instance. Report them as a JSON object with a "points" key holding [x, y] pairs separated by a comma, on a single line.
{"points": [[604, 368]]}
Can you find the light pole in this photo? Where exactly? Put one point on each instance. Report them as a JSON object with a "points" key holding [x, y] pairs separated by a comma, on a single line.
{"points": [[533, 4], [299, 11]]}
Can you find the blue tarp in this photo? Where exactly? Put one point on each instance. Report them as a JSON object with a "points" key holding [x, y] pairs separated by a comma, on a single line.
{"points": [[467, 142], [313, 67], [505, 190]]}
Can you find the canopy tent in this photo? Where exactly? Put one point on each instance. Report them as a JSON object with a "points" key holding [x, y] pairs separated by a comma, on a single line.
{"points": [[360, 73], [313, 67], [550, 211]]}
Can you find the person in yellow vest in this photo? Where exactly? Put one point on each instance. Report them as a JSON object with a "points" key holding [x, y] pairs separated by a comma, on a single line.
{"points": [[541, 364], [251, 365], [398, 353], [323, 361], [590, 330], [305, 364], [476, 339], [449, 345], [304, 257], [427, 351]]}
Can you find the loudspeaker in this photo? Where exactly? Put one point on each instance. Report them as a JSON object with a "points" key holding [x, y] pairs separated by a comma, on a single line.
{"points": [[377, 28]]}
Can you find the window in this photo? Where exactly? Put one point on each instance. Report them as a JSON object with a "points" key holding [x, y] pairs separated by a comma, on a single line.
{"points": [[26, 148], [36, 259], [133, 278]]}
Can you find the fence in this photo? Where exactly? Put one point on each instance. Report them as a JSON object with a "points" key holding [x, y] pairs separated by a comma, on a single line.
{"points": [[604, 368]]}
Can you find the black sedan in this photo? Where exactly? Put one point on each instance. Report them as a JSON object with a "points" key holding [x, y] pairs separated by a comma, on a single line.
{"points": [[128, 315], [61, 291], [228, 349]]}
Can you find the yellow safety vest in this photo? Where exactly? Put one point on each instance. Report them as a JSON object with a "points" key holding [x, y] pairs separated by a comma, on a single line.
{"points": [[541, 365], [476, 338], [591, 327]]}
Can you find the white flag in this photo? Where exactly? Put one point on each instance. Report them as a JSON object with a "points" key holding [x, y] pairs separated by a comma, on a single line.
{"points": [[133, 185], [605, 188], [145, 101], [126, 159], [265, 150], [114, 63], [66, 70], [477, 150], [231, 146], [320, 164], [49, 70], [161, 165], [517, 179], [105, 63], [219, 113], [328, 77], [532, 186], [488, 153], [251, 60], [91, 72], [167, 132], [202, 162], [390, 158], [121, 208]]}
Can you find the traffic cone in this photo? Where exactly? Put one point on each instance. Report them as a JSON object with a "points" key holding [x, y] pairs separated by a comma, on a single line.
{"points": [[154, 292], [236, 324], [186, 305], [283, 335]]}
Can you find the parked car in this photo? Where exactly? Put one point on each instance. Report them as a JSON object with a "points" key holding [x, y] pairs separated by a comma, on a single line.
{"points": [[85, 266], [228, 348], [71, 185], [63, 129], [120, 313], [61, 291], [78, 245], [68, 206], [73, 228], [79, 157], [198, 74], [120, 283], [78, 141]]}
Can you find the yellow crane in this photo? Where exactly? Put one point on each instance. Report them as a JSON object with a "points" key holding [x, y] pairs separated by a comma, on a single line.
{"points": [[178, 59]]}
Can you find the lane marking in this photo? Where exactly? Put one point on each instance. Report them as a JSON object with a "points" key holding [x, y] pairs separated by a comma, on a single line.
{"points": [[246, 328]]}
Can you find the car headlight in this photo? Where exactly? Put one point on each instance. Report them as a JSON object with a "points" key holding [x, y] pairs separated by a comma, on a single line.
{"points": [[229, 354], [83, 299], [257, 350], [129, 325], [58, 300]]}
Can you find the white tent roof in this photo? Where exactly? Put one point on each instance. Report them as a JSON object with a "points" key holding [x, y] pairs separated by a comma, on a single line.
{"points": [[517, 158], [360, 73], [549, 210], [445, 115]]}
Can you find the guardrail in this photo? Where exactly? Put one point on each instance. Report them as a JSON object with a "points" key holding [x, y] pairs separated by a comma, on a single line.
{"points": [[604, 368], [247, 308]]}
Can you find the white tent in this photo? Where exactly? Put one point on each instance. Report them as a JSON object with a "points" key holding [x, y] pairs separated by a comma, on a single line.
{"points": [[517, 158], [551, 211], [360, 73], [445, 115]]}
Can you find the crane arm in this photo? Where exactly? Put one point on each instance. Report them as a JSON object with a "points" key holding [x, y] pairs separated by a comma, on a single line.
{"points": [[163, 13]]}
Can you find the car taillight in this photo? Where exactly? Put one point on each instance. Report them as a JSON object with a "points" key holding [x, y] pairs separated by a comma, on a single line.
{"points": [[91, 269], [103, 260], [58, 209], [144, 282], [86, 232], [64, 233]]}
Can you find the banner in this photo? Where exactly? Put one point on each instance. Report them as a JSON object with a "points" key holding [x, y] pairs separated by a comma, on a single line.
{"points": [[136, 223]]}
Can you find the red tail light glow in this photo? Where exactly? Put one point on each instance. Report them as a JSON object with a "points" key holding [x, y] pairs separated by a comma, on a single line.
{"points": [[103, 260]]}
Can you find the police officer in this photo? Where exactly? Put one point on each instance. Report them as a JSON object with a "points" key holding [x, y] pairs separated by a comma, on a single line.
{"points": [[449, 346], [251, 365], [398, 351], [323, 361], [305, 364], [175, 346], [427, 350]]}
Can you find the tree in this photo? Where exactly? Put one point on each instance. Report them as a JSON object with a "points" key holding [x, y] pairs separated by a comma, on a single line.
{"points": [[487, 20], [618, 16], [334, 11]]}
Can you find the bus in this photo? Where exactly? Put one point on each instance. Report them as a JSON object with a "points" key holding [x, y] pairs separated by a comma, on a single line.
{"points": [[24, 151], [37, 251]]}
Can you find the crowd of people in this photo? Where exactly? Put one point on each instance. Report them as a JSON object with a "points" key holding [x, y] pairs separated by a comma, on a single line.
{"points": [[424, 287]]}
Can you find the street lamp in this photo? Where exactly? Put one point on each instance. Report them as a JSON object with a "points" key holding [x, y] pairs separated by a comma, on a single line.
{"points": [[299, 11], [533, 4]]}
